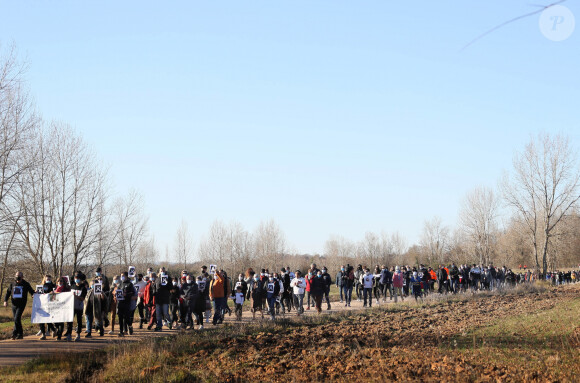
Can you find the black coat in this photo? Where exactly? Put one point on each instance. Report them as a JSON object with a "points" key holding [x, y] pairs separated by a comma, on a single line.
{"points": [[162, 292], [26, 289], [317, 286]]}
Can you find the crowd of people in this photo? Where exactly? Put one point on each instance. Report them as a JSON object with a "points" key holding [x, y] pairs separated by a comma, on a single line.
{"points": [[178, 301]]}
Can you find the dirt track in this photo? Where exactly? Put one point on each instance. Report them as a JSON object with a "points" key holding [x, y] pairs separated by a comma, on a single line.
{"points": [[14, 352]]}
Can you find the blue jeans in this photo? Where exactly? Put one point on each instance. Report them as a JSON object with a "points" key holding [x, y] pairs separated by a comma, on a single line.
{"points": [[161, 311], [299, 303], [89, 319], [219, 305], [347, 293], [368, 292], [17, 312]]}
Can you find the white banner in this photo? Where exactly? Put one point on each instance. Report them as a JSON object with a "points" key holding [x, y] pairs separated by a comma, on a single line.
{"points": [[53, 308]]}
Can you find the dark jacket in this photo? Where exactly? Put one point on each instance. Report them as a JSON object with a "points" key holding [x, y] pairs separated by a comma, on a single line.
{"points": [[441, 275], [257, 290], [161, 292], [317, 286], [273, 288], [327, 282], [189, 293], [80, 293], [386, 277], [339, 278], [174, 294], [129, 291], [25, 289], [243, 285], [48, 288]]}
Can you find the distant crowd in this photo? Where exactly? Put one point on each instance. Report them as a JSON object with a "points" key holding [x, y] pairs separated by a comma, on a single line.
{"points": [[186, 300]]}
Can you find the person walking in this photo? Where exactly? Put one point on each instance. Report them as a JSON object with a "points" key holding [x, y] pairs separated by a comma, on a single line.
{"points": [[398, 284], [217, 293], [367, 280], [161, 292], [298, 285], [17, 292], [317, 287], [47, 287], [327, 283]]}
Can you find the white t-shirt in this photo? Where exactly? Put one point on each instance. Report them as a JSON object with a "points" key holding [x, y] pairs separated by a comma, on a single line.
{"points": [[298, 285], [239, 298], [367, 281]]}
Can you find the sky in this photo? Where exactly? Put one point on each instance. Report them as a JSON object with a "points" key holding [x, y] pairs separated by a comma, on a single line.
{"points": [[330, 117]]}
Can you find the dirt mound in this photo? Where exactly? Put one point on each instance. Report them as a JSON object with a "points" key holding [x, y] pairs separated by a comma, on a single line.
{"points": [[406, 344]]}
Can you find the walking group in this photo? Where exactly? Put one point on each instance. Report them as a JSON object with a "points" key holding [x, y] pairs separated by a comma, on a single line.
{"points": [[186, 301]]}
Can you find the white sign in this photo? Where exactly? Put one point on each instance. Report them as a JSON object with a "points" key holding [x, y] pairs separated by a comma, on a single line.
{"points": [[119, 295], [17, 292], [39, 289], [131, 271], [163, 280], [98, 288], [212, 269], [53, 308]]}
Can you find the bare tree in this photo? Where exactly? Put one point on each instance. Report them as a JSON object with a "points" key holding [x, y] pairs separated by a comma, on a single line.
{"points": [[435, 240], [270, 244], [183, 245], [543, 189], [478, 218], [132, 227]]}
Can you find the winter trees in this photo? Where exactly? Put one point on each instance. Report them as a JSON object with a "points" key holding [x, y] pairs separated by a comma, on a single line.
{"points": [[543, 189]]}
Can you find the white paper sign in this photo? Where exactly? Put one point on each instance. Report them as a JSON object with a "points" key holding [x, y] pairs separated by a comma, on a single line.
{"points": [[212, 269], [131, 271], [270, 287], [39, 289], [98, 288], [53, 308], [17, 292], [119, 295]]}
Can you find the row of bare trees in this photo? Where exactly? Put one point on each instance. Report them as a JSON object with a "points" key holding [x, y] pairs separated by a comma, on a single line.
{"points": [[56, 212]]}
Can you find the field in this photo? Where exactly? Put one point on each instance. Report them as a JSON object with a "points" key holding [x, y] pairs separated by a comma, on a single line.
{"points": [[528, 334]]}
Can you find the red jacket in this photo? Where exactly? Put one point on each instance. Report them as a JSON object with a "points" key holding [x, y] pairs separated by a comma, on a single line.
{"points": [[148, 296]]}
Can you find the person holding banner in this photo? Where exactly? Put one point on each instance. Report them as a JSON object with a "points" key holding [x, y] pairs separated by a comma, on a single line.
{"points": [[80, 292], [47, 288], [18, 294], [61, 287]]}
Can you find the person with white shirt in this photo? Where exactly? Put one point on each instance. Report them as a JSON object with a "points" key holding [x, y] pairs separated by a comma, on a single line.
{"points": [[298, 285]]}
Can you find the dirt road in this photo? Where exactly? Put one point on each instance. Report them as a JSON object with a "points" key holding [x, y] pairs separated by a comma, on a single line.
{"points": [[14, 352]]}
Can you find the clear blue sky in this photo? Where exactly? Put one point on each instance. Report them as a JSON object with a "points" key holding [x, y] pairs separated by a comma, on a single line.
{"points": [[331, 117]]}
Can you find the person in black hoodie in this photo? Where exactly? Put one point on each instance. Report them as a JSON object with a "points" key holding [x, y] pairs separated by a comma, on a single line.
{"points": [[124, 293], [327, 283], [273, 290], [257, 292], [174, 301], [80, 293], [188, 294], [317, 287], [287, 294], [18, 293], [161, 292], [201, 301]]}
